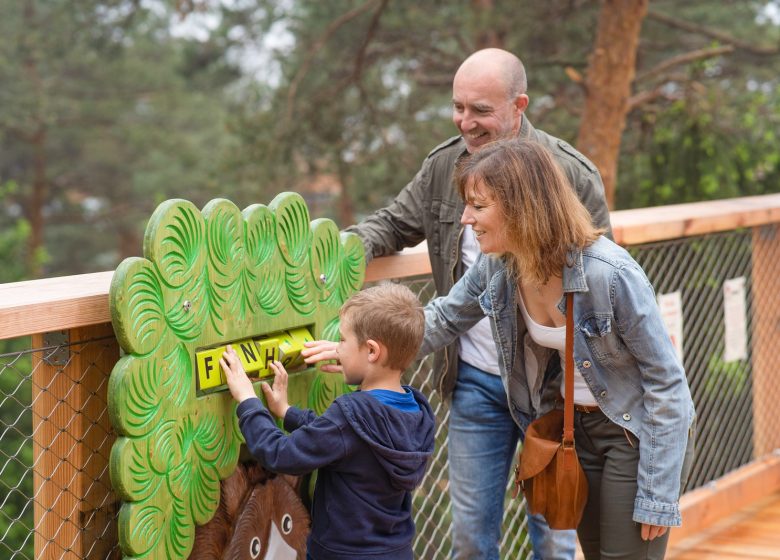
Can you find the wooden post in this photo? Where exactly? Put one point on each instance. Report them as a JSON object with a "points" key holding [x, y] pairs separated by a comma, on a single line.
{"points": [[74, 508], [766, 338]]}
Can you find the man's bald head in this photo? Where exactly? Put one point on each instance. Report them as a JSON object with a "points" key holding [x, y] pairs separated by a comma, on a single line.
{"points": [[488, 97], [497, 64]]}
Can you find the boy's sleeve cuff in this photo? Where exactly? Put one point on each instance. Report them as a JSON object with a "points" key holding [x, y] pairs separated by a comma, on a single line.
{"points": [[249, 405], [293, 418]]}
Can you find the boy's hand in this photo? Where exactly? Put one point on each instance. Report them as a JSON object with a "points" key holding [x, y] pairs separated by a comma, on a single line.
{"points": [[320, 350], [276, 396], [237, 380]]}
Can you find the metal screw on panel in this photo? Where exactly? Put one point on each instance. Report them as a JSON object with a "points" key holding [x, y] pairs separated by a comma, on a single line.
{"points": [[187, 305], [323, 278]]}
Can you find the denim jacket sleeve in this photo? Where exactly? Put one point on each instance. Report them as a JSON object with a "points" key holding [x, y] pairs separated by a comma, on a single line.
{"points": [[449, 316], [667, 400]]}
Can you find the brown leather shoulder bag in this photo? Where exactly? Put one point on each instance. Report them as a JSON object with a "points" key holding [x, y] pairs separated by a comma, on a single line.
{"points": [[548, 469]]}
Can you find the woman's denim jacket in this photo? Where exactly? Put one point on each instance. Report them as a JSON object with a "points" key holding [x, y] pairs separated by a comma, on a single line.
{"points": [[621, 348]]}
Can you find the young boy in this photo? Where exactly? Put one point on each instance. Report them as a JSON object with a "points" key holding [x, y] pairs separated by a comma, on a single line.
{"points": [[371, 446]]}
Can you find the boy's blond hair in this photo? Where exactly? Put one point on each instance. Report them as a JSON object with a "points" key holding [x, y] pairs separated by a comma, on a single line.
{"points": [[390, 314]]}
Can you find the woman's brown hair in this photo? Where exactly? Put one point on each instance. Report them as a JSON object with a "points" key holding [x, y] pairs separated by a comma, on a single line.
{"points": [[544, 218]]}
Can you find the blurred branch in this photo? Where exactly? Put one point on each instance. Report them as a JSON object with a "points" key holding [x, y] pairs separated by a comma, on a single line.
{"points": [[713, 33], [314, 49], [692, 56], [361, 54]]}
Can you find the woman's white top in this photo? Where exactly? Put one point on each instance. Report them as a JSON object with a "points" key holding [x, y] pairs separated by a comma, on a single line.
{"points": [[555, 338], [476, 346]]}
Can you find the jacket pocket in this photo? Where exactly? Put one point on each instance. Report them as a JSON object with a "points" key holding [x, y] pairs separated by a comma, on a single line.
{"points": [[443, 214], [605, 345]]}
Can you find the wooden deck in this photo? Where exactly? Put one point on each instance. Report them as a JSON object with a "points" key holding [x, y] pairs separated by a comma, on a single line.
{"points": [[751, 533]]}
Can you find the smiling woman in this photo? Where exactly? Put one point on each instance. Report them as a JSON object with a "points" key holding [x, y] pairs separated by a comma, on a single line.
{"points": [[543, 245]]}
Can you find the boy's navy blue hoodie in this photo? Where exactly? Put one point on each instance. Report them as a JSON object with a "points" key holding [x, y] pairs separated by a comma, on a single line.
{"points": [[370, 457]]}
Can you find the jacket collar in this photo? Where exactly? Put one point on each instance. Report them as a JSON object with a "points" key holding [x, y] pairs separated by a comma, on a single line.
{"points": [[574, 275], [527, 130], [573, 278]]}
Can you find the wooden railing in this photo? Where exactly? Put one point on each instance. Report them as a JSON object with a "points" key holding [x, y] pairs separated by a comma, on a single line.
{"points": [[79, 306]]}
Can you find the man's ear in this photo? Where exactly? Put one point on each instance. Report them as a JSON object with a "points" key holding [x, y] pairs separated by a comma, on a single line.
{"points": [[375, 351], [521, 103]]}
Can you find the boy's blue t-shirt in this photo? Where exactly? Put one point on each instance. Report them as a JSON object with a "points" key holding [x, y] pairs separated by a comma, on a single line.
{"points": [[402, 401]]}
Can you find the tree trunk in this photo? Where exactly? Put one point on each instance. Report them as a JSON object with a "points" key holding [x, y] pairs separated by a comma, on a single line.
{"points": [[611, 69], [37, 140]]}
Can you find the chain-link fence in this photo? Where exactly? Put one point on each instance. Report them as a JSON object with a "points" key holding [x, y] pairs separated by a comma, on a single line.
{"points": [[56, 439], [55, 445]]}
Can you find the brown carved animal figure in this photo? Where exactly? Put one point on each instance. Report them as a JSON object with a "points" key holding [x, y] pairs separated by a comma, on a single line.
{"points": [[260, 517]]}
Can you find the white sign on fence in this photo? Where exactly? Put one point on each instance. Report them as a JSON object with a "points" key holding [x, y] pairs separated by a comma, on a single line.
{"points": [[735, 319], [671, 311]]}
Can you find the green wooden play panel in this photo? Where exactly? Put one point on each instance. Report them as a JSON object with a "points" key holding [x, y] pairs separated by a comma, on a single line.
{"points": [[266, 278]]}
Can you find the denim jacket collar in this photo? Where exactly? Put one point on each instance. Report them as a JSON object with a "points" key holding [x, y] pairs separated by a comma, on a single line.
{"points": [[573, 277]]}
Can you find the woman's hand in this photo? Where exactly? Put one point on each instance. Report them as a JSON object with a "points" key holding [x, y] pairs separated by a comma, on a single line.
{"points": [[276, 396], [649, 532], [320, 350]]}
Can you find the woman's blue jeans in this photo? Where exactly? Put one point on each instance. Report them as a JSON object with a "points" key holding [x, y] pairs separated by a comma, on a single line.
{"points": [[482, 443]]}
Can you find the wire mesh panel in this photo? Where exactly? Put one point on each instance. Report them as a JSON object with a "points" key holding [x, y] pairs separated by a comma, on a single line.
{"points": [[722, 390], [55, 446]]}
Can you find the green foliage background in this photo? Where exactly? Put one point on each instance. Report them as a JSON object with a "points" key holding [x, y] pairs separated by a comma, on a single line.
{"points": [[114, 106]]}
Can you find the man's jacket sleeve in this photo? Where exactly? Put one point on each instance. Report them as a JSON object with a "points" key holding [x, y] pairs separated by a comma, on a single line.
{"points": [[398, 225]]}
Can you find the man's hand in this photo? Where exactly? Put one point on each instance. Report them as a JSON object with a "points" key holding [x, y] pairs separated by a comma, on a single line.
{"points": [[649, 532], [276, 396], [237, 380], [321, 350]]}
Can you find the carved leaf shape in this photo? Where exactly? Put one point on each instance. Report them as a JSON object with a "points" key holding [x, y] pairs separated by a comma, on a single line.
{"points": [[353, 266], [204, 492], [193, 477], [331, 330], [165, 450], [299, 291], [132, 477], [136, 303], [187, 308], [259, 235], [292, 227], [269, 293], [230, 442], [175, 242], [145, 525], [325, 257], [180, 536], [134, 397], [176, 376], [225, 234], [324, 389]]}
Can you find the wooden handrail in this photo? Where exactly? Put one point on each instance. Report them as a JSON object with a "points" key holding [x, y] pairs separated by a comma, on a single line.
{"points": [[54, 304]]}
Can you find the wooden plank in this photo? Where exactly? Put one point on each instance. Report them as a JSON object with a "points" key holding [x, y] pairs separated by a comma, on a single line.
{"points": [[74, 507], [54, 304], [409, 262], [61, 303], [705, 506], [644, 225], [766, 338]]}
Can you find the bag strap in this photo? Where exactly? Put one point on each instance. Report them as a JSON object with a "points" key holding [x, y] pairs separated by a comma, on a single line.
{"points": [[568, 389]]}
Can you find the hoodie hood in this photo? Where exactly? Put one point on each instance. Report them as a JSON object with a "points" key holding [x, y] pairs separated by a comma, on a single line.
{"points": [[401, 441]]}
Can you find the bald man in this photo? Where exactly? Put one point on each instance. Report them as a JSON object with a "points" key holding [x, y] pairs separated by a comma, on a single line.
{"points": [[488, 103]]}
